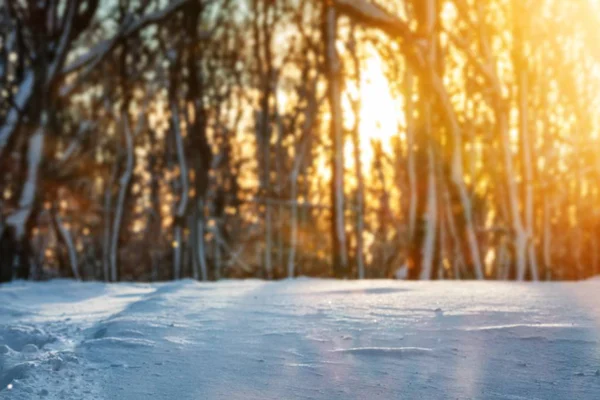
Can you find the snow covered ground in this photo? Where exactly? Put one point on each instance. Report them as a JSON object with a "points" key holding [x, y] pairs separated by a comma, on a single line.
{"points": [[300, 339]]}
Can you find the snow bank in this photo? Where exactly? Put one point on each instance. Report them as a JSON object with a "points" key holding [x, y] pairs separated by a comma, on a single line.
{"points": [[300, 338]]}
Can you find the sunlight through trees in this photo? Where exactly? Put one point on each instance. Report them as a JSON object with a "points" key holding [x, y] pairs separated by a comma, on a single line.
{"points": [[435, 139]]}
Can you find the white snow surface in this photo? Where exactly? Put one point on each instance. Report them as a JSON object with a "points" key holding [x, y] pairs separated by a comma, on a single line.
{"points": [[300, 339]]}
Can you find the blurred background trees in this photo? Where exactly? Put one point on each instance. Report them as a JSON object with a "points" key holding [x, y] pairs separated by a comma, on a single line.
{"points": [[437, 139]]}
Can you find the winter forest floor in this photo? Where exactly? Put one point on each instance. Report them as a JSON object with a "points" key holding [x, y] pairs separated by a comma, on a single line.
{"points": [[300, 339]]}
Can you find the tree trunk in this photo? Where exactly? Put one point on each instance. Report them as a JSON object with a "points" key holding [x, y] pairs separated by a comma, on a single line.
{"points": [[268, 239], [360, 206], [201, 157], [522, 68], [520, 235], [360, 186], [430, 221], [124, 182], [107, 224], [201, 243], [217, 248], [547, 239], [302, 148], [293, 227], [35, 149], [458, 258], [339, 249], [184, 181], [457, 173], [8, 246], [67, 239], [410, 155], [20, 223]]}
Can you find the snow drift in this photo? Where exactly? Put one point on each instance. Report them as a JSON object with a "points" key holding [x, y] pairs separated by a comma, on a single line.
{"points": [[301, 339]]}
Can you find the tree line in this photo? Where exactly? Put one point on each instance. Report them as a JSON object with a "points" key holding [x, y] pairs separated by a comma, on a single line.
{"points": [[153, 140]]}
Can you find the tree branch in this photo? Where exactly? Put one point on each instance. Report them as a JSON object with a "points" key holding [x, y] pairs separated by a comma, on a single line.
{"points": [[101, 50], [373, 15]]}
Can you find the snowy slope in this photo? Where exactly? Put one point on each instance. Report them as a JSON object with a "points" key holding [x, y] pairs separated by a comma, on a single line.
{"points": [[300, 339]]}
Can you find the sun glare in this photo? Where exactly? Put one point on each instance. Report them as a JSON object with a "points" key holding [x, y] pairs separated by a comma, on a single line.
{"points": [[380, 113]]}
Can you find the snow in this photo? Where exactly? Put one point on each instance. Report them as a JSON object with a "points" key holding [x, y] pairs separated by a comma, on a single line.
{"points": [[34, 157], [20, 100], [300, 339]]}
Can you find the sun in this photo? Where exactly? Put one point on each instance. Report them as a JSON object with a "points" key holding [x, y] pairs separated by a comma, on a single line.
{"points": [[380, 112], [381, 115]]}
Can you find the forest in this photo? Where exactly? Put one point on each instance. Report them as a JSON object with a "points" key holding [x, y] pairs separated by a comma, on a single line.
{"points": [[150, 140]]}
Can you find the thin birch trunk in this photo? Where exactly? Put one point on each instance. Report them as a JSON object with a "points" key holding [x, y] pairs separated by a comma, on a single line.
{"points": [[184, 181], [268, 240], [527, 171], [280, 226], [360, 206], [192, 246], [547, 239], [217, 249], [443, 237], [123, 188], [431, 225], [106, 235], [293, 223], [340, 256], [520, 235], [294, 212], [201, 243], [293, 231], [594, 244], [280, 178], [410, 155], [299, 161], [360, 187], [107, 223], [458, 256], [68, 241], [501, 261]]}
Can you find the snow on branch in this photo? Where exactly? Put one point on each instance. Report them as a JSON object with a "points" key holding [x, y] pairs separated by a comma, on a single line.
{"points": [[64, 41], [98, 52], [35, 150], [19, 102]]}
